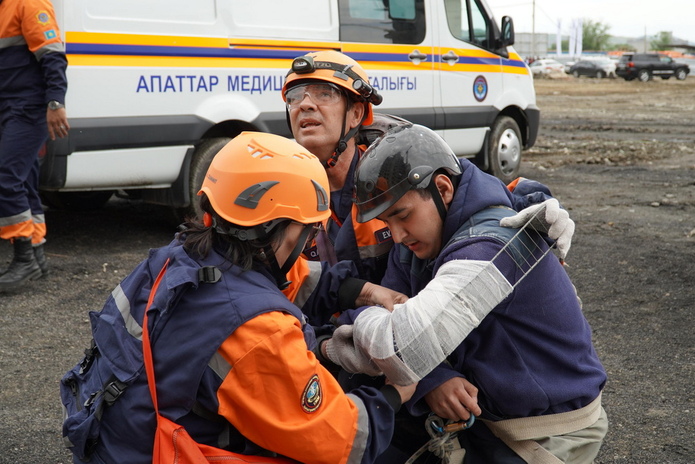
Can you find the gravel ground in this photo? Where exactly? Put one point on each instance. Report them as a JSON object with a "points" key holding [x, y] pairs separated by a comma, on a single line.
{"points": [[619, 155]]}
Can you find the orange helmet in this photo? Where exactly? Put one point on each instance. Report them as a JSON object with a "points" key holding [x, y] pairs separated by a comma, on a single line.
{"points": [[258, 177], [336, 68]]}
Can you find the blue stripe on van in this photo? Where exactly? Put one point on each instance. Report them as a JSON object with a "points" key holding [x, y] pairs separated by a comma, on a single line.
{"points": [[403, 58], [383, 57], [255, 53], [478, 60], [197, 52], [516, 63]]}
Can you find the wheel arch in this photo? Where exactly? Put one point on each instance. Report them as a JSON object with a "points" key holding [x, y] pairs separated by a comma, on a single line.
{"points": [[179, 195], [522, 120]]}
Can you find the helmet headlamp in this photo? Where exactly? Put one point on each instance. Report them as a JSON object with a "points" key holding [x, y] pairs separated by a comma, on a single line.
{"points": [[306, 65]]}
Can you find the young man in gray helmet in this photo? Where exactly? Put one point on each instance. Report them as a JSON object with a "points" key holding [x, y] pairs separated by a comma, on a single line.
{"points": [[524, 344]]}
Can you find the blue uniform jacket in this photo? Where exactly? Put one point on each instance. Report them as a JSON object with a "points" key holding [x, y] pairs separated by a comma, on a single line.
{"points": [[532, 355], [188, 321], [32, 56]]}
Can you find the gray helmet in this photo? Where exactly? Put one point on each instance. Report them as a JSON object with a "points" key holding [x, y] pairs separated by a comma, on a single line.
{"points": [[403, 159]]}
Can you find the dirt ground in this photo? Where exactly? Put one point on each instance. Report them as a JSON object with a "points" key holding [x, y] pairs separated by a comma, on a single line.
{"points": [[620, 156]]}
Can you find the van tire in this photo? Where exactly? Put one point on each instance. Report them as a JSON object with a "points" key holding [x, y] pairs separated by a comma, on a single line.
{"points": [[202, 157], [504, 152]]}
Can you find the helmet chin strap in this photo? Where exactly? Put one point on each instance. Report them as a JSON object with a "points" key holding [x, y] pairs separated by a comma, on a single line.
{"points": [[343, 141], [437, 198], [280, 273]]}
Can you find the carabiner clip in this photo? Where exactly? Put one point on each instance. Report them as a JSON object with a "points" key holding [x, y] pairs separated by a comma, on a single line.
{"points": [[437, 427]]}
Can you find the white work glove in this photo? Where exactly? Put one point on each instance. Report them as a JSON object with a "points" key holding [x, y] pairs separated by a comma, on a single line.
{"points": [[555, 222], [341, 350]]}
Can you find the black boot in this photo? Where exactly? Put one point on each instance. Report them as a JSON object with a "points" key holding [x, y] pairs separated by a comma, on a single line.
{"points": [[23, 266], [41, 259]]}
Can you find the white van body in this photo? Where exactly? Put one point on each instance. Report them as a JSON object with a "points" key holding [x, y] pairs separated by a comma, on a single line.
{"points": [[156, 87]]}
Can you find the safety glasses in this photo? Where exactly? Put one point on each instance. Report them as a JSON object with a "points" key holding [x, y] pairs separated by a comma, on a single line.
{"points": [[320, 94], [315, 228]]}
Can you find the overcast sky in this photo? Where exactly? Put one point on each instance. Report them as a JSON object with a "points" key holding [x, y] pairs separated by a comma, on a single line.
{"points": [[625, 18]]}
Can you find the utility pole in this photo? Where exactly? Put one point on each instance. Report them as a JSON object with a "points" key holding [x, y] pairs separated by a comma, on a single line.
{"points": [[533, 31]]}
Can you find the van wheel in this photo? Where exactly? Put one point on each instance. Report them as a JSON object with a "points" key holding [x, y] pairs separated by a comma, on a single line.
{"points": [[504, 154], [200, 163], [644, 75], [681, 74], [600, 75], [76, 201]]}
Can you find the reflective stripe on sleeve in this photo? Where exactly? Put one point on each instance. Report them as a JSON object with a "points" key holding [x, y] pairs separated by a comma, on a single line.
{"points": [[359, 444], [310, 282], [8, 42], [123, 305], [219, 365], [51, 47]]}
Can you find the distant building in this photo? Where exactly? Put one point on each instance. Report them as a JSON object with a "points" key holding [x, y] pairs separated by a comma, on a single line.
{"points": [[544, 44], [532, 45]]}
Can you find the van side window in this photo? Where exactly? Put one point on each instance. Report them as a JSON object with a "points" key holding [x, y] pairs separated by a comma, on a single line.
{"points": [[472, 25], [382, 21]]}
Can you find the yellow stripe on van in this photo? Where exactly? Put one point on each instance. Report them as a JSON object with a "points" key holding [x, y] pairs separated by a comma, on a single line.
{"points": [[138, 50]]}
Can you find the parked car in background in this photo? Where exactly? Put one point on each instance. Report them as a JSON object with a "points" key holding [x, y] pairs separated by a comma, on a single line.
{"points": [[598, 68], [545, 67], [644, 66]]}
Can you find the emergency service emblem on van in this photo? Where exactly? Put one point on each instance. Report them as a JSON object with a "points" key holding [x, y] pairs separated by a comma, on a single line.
{"points": [[480, 88]]}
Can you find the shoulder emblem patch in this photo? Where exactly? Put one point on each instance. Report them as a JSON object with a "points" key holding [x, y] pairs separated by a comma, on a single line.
{"points": [[43, 17], [311, 398]]}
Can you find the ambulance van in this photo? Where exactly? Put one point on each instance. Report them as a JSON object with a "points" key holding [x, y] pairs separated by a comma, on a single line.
{"points": [[157, 87]]}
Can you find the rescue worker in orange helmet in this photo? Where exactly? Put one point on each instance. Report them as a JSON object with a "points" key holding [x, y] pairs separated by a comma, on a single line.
{"points": [[235, 346], [328, 99], [32, 108]]}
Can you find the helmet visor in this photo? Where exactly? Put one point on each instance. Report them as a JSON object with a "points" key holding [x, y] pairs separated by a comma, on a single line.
{"points": [[373, 198]]}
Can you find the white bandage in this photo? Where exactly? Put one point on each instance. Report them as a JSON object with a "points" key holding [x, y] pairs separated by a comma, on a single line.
{"points": [[412, 340]]}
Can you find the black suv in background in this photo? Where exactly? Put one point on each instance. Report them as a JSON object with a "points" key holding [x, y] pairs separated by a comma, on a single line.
{"points": [[644, 66]]}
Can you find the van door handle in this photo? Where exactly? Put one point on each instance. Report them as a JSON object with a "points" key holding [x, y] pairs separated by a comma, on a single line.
{"points": [[416, 57], [450, 57]]}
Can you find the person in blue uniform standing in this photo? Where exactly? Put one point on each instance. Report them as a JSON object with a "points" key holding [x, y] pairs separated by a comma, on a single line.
{"points": [[33, 84]]}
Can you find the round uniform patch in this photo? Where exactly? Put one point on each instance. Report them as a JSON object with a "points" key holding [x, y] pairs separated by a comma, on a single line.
{"points": [[311, 398], [43, 17], [480, 88]]}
